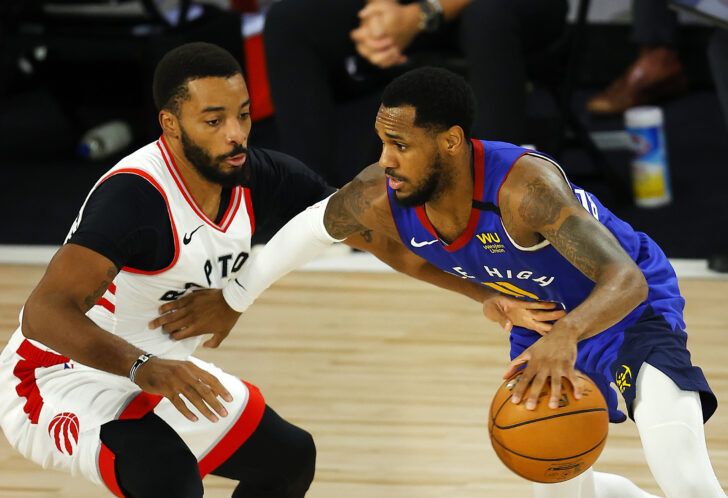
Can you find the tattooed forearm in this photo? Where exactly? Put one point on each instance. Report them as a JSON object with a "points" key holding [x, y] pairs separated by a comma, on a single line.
{"points": [[541, 204], [575, 240], [366, 235], [94, 297]]}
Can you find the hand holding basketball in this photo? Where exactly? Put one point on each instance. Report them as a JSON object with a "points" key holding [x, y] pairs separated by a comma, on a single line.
{"points": [[545, 444], [551, 357]]}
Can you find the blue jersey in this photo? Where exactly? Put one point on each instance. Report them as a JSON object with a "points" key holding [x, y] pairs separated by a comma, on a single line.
{"points": [[485, 253]]}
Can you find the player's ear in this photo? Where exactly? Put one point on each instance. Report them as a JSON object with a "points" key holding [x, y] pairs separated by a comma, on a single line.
{"points": [[454, 138], [169, 123]]}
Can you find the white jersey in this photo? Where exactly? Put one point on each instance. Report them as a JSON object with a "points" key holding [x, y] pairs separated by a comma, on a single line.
{"points": [[207, 255], [52, 408]]}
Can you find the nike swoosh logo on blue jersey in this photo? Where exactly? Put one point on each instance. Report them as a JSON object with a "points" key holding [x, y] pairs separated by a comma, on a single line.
{"points": [[421, 244]]}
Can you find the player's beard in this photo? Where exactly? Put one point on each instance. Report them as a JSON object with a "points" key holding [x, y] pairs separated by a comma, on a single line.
{"points": [[429, 189], [208, 166]]}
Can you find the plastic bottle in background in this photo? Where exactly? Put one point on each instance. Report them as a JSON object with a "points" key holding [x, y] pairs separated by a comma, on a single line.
{"points": [[105, 140], [650, 171]]}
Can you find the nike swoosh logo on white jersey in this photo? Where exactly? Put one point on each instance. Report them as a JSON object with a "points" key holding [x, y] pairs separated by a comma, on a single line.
{"points": [[421, 244]]}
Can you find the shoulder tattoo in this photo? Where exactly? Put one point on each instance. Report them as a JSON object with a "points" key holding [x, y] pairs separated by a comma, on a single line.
{"points": [[540, 205], [346, 208]]}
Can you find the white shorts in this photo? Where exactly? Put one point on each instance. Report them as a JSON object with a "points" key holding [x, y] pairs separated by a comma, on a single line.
{"points": [[52, 410]]}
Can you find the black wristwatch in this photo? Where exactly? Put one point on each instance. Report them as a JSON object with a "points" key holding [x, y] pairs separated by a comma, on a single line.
{"points": [[432, 16]]}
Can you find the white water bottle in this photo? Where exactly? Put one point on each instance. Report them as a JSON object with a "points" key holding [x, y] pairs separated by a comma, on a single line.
{"points": [[650, 171], [104, 140]]}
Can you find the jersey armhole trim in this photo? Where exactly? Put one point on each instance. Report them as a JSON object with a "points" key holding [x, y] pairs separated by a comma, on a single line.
{"points": [[156, 185], [544, 243]]}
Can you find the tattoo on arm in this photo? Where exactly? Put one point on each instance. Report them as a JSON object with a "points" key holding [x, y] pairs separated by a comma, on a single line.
{"points": [[344, 209], [540, 205], [366, 235], [579, 238], [574, 239], [91, 300]]}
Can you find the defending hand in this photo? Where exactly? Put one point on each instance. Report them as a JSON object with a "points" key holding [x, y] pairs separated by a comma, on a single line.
{"points": [[532, 315], [201, 312], [174, 379]]}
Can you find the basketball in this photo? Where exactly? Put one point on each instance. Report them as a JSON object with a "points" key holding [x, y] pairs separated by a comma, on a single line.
{"points": [[549, 445]]}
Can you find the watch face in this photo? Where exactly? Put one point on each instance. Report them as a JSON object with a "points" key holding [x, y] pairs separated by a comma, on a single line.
{"points": [[432, 17]]}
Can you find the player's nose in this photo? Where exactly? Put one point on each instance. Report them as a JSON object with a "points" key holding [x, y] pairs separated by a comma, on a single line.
{"points": [[386, 159], [235, 133]]}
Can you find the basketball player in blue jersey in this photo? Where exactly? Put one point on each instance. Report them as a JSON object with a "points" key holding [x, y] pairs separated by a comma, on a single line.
{"points": [[508, 219]]}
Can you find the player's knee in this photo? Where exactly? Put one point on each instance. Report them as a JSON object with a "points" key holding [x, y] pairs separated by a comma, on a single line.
{"points": [[151, 460], [302, 464], [175, 475]]}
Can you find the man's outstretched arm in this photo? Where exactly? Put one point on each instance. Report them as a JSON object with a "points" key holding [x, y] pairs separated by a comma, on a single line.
{"points": [[360, 213]]}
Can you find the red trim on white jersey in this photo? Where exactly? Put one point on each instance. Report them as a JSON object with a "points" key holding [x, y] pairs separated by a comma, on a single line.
{"points": [[179, 180], [237, 434], [112, 288], [249, 207], [156, 185]]}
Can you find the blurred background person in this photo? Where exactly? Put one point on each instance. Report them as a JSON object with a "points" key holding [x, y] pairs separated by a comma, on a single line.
{"points": [[657, 72], [321, 52]]}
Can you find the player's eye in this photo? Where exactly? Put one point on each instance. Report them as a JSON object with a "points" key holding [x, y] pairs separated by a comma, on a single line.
{"points": [[213, 122]]}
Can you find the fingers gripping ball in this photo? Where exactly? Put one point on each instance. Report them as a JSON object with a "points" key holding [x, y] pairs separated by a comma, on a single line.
{"points": [[549, 445]]}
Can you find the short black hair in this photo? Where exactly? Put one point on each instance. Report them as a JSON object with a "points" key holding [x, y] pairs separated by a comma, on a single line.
{"points": [[189, 62], [440, 97]]}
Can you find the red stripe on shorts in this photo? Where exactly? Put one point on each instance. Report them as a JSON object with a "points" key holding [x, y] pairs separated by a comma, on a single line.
{"points": [[33, 357], [107, 461], [238, 433]]}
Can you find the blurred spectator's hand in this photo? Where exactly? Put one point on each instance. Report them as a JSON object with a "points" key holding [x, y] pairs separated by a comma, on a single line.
{"points": [[386, 29]]}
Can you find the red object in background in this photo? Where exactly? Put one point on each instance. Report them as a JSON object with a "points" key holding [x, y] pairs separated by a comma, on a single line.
{"points": [[256, 74], [244, 5], [261, 105]]}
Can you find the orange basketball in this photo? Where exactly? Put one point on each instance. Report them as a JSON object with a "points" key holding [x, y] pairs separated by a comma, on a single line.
{"points": [[549, 445]]}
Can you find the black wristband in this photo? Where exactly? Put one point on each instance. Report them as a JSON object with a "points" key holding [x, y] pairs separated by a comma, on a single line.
{"points": [[143, 358]]}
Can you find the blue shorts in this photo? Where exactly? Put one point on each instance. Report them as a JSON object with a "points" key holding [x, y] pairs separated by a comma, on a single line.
{"points": [[650, 339]]}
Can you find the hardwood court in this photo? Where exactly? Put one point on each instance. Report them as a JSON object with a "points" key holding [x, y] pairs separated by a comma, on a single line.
{"points": [[394, 380]]}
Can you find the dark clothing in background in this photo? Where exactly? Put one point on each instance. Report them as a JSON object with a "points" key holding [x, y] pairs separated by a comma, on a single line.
{"points": [[307, 45], [653, 23]]}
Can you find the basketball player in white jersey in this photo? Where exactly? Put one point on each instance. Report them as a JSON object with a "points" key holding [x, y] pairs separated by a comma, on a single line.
{"points": [[87, 387]]}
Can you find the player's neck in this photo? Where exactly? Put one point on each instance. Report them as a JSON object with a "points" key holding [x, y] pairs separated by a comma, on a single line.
{"points": [[205, 193], [449, 212]]}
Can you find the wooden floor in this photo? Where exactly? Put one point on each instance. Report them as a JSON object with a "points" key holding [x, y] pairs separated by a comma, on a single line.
{"points": [[394, 379]]}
